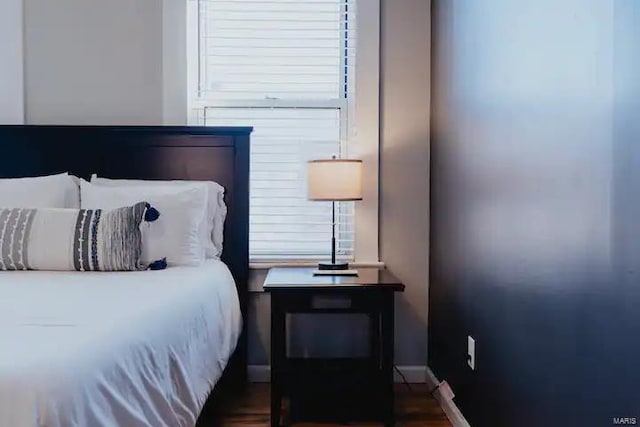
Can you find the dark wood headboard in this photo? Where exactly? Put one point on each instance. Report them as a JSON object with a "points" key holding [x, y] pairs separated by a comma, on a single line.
{"points": [[218, 154]]}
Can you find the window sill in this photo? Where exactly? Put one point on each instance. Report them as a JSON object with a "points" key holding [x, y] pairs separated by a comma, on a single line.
{"points": [[265, 265]]}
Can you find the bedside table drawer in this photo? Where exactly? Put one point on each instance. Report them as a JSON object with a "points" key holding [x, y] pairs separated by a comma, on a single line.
{"points": [[319, 302], [328, 302]]}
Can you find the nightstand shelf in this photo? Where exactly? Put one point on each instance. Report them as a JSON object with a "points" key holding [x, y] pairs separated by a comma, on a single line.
{"points": [[358, 389], [342, 390]]}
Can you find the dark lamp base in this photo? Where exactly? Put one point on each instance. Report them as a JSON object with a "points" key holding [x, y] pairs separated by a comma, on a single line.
{"points": [[333, 266]]}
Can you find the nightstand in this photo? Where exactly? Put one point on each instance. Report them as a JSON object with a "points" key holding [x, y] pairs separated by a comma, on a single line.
{"points": [[358, 389]]}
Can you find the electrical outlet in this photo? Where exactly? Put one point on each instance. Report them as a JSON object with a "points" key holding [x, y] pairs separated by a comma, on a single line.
{"points": [[471, 352]]}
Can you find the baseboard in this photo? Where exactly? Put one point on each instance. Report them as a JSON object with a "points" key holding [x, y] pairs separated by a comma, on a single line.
{"points": [[432, 381], [259, 373], [448, 405], [413, 374]]}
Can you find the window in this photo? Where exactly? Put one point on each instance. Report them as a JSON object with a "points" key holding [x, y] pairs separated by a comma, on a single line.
{"points": [[287, 68]]}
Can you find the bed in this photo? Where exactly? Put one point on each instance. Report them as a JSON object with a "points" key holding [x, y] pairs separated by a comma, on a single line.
{"points": [[107, 349], [137, 348]]}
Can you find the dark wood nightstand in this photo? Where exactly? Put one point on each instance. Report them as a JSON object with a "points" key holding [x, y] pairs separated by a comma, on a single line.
{"points": [[358, 389]]}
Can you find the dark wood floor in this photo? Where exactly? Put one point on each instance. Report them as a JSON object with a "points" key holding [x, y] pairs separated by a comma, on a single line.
{"points": [[414, 408]]}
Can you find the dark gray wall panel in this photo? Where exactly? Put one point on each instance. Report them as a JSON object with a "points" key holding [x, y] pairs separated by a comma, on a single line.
{"points": [[535, 206]]}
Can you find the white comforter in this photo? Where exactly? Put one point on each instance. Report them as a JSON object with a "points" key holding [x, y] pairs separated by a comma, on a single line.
{"points": [[114, 349]]}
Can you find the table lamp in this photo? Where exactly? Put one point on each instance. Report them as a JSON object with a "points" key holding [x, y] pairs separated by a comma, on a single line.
{"points": [[334, 180]]}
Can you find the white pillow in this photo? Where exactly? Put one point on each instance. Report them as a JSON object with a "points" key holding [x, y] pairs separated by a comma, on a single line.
{"points": [[176, 234], [52, 191], [216, 208]]}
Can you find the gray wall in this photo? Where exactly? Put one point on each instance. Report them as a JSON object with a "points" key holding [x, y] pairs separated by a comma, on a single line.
{"points": [[93, 62], [535, 203], [110, 62], [404, 165], [11, 63], [404, 198]]}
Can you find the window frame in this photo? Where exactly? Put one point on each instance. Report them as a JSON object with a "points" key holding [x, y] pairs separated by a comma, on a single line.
{"points": [[363, 142]]}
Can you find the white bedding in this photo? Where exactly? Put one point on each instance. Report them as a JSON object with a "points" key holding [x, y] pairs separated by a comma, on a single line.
{"points": [[114, 349]]}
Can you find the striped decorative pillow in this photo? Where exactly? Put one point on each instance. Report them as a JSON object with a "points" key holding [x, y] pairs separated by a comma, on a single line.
{"points": [[72, 239]]}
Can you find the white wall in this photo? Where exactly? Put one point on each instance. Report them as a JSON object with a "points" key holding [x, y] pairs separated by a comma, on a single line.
{"points": [[11, 63], [130, 47], [404, 193], [100, 62], [404, 166], [174, 65]]}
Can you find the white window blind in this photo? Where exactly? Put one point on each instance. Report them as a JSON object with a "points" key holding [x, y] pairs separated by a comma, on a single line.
{"points": [[287, 68]]}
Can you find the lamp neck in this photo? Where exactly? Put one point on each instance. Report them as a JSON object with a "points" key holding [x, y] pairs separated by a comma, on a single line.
{"points": [[333, 232]]}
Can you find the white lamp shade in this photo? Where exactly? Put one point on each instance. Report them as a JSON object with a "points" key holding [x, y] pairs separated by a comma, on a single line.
{"points": [[335, 180]]}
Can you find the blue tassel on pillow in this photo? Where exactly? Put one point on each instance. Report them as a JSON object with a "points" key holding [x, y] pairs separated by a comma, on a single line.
{"points": [[161, 264], [151, 213]]}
